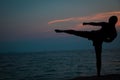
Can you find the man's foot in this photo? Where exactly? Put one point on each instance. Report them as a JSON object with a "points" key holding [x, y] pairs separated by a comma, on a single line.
{"points": [[58, 31]]}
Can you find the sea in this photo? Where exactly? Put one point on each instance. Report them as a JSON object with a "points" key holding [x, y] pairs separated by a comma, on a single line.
{"points": [[56, 65]]}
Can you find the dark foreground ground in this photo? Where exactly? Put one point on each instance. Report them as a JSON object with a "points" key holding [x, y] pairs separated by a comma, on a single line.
{"points": [[104, 77]]}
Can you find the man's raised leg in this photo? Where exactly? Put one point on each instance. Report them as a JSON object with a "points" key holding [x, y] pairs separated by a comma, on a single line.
{"points": [[85, 34]]}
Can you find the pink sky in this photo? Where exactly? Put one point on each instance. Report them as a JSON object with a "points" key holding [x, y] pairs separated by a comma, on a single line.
{"points": [[79, 20]]}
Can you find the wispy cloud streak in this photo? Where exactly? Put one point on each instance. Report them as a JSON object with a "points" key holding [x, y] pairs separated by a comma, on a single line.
{"points": [[60, 20], [97, 17]]}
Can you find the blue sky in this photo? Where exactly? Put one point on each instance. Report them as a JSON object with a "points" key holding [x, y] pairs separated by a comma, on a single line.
{"points": [[24, 23]]}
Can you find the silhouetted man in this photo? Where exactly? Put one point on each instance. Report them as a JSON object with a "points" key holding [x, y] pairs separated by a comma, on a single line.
{"points": [[107, 33]]}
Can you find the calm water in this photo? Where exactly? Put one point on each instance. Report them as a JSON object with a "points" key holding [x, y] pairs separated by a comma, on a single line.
{"points": [[56, 65]]}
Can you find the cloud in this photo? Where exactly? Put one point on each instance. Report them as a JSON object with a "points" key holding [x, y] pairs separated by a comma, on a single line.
{"points": [[97, 17], [62, 20]]}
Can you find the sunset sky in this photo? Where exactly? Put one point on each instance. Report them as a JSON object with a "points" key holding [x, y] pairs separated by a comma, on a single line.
{"points": [[28, 25]]}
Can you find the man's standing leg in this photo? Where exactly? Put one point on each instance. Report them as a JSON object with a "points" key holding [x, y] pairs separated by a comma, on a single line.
{"points": [[98, 51]]}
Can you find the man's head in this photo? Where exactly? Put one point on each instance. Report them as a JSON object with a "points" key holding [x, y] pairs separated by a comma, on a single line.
{"points": [[113, 19]]}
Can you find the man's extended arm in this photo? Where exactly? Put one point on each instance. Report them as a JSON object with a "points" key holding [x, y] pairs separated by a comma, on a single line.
{"points": [[94, 23]]}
